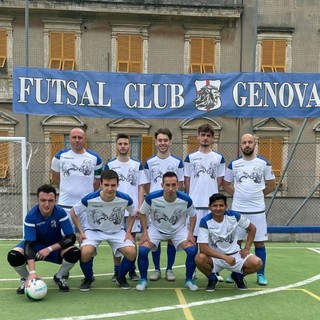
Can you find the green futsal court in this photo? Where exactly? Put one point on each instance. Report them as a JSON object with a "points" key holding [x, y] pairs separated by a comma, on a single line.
{"points": [[293, 271]]}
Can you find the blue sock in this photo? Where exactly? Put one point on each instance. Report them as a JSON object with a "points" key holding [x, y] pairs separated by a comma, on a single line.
{"points": [[262, 254], [116, 267], [238, 275], [190, 264], [87, 268], [156, 257], [125, 267], [171, 254], [212, 276], [143, 262]]}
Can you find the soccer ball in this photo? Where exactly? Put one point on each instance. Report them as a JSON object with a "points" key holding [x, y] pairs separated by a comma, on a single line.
{"points": [[36, 289]]}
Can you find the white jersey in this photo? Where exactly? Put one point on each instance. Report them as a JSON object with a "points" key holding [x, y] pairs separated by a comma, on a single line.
{"points": [[222, 236], [248, 177], [204, 169], [156, 167], [164, 216], [104, 216], [77, 174], [131, 176]]}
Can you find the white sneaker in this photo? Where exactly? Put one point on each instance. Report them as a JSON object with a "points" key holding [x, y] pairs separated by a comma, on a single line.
{"points": [[141, 286], [220, 279], [190, 284], [170, 275], [155, 276]]}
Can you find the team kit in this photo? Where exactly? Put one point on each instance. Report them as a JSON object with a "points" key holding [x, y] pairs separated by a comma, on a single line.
{"points": [[135, 206]]}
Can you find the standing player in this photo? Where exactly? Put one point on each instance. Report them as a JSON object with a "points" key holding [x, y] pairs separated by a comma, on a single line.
{"points": [[204, 171], [168, 210], [155, 167], [218, 244], [76, 170], [105, 210], [131, 181], [252, 178], [43, 240]]}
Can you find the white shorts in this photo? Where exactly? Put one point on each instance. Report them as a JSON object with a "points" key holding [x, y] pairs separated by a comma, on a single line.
{"points": [[219, 264], [200, 214], [177, 237], [260, 222], [136, 228], [115, 240]]}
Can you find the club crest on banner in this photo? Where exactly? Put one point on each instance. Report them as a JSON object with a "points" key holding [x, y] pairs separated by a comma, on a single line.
{"points": [[208, 95]]}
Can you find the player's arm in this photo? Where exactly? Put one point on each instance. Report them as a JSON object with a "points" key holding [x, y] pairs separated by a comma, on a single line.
{"points": [[76, 221], [270, 186], [228, 187], [55, 177], [147, 188], [144, 228], [96, 184], [192, 223], [186, 184], [140, 197], [219, 182], [208, 251]]}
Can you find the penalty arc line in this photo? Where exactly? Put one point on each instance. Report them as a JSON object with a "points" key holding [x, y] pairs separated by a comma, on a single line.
{"points": [[189, 305]]}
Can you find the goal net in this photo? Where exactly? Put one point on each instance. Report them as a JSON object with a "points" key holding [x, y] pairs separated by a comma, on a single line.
{"points": [[13, 186]]}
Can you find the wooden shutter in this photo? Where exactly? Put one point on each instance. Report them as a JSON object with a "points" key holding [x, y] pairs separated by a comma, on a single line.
{"points": [[202, 55], [55, 50], [272, 150], [147, 148], [4, 156], [3, 47], [129, 53], [57, 143], [193, 144], [273, 57]]}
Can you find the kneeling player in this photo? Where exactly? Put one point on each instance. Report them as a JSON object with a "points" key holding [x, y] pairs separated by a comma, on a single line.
{"points": [[218, 244], [43, 240]]}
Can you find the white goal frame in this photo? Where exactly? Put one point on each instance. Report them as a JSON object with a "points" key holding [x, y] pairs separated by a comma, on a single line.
{"points": [[24, 187]]}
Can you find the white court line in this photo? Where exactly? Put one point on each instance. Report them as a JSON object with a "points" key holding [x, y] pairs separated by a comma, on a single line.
{"points": [[188, 305], [317, 250]]}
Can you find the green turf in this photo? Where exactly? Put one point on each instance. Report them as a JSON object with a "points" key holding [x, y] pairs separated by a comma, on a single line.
{"points": [[288, 264]]}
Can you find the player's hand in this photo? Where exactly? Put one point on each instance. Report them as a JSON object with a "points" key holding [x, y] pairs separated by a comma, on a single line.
{"points": [[144, 238], [43, 253], [82, 236], [129, 237], [244, 252], [230, 260]]}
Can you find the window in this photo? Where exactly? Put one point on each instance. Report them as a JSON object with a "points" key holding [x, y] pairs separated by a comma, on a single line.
{"points": [[202, 55], [274, 49], [272, 149], [3, 49], [62, 44], [129, 53], [147, 148], [62, 50], [273, 58]]}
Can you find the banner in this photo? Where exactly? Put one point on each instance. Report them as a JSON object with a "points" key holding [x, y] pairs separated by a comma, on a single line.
{"points": [[170, 96]]}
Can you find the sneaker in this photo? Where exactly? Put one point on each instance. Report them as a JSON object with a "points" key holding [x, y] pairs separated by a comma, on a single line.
{"points": [[20, 290], [61, 282], [133, 275], [194, 276], [190, 284], [155, 276], [115, 276], [123, 283], [170, 275], [261, 279], [240, 283], [211, 286], [141, 286], [220, 279], [229, 279], [86, 284]]}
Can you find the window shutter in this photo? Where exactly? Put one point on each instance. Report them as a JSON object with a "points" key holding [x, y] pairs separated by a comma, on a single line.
{"points": [[193, 144], [208, 55], [135, 53], [280, 55], [202, 55], [4, 156], [123, 53], [147, 148], [273, 57], [55, 50], [57, 143], [3, 47], [272, 149], [267, 54], [69, 50], [195, 55]]}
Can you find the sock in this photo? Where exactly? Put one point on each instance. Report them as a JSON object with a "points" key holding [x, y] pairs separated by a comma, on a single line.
{"points": [[22, 271], [143, 262], [238, 275], [116, 267], [87, 268], [125, 266], [64, 268], [190, 264], [171, 254], [262, 254], [212, 276], [156, 257]]}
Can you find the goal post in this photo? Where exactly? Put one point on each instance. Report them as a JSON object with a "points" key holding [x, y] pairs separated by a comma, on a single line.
{"points": [[13, 186]]}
